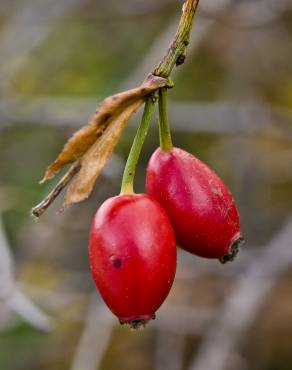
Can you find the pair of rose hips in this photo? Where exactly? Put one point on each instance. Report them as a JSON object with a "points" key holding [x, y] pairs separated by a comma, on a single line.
{"points": [[133, 237]]}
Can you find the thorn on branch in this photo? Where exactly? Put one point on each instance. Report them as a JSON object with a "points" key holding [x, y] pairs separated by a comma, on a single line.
{"points": [[180, 60]]}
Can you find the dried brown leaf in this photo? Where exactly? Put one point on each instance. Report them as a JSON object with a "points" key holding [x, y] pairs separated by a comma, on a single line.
{"points": [[106, 113], [96, 157]]}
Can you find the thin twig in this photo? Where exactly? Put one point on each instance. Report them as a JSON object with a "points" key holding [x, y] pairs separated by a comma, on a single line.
{"points": [[38, 210], [180, 42]]}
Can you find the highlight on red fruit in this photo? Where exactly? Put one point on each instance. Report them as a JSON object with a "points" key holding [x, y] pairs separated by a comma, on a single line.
{"points": [[132, 256], [199, 205]]}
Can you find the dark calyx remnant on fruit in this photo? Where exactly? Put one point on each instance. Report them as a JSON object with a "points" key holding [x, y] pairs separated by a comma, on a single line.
{"points": [[136, 324], [233, 250]]}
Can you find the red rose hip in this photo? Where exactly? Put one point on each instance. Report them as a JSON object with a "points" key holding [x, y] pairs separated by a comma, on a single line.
{"points": [[199, 205], [132, 256]]}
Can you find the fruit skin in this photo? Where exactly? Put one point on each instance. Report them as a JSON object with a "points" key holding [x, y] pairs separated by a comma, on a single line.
{"points": [[133, 256], [199, 205]]}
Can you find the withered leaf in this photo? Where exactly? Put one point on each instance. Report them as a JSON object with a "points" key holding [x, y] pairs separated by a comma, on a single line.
{"points": [[96, 157], [106, 113]]}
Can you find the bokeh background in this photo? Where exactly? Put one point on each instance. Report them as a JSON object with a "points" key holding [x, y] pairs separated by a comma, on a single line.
{"points": [[232, 107]]}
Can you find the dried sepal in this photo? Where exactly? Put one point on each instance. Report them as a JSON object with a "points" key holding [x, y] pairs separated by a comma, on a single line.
{"points": [[97, 156], [90, 147], [107, 112]]}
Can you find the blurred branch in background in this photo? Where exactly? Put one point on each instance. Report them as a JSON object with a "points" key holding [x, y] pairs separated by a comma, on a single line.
{"points": [[226, 117], [95, 337], [245, 15], [12, 296], [152, 55], [243, 305], [138, 8], [173, 323]]}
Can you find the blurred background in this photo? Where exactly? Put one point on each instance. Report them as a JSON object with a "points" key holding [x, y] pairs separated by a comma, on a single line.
{"points": [[232, 107]]}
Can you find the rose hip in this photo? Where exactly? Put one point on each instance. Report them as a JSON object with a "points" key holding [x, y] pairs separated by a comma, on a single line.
{"points": [[199, 205], [133, 256]]}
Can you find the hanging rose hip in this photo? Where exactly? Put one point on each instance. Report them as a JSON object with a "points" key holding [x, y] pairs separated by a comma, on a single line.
{"points": [[199, 205], [132, 256]]}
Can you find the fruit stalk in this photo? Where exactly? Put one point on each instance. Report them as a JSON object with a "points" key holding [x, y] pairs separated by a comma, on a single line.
{"points": [[164, 131], [132, 161]]}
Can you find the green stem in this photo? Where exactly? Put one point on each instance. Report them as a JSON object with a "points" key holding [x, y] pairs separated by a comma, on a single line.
{"points": [[132, 161], [176, 52], [175, 56], [164, 131]]}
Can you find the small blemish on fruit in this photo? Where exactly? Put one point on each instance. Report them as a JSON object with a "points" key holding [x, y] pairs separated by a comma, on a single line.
{"points": [[116, 262]]}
